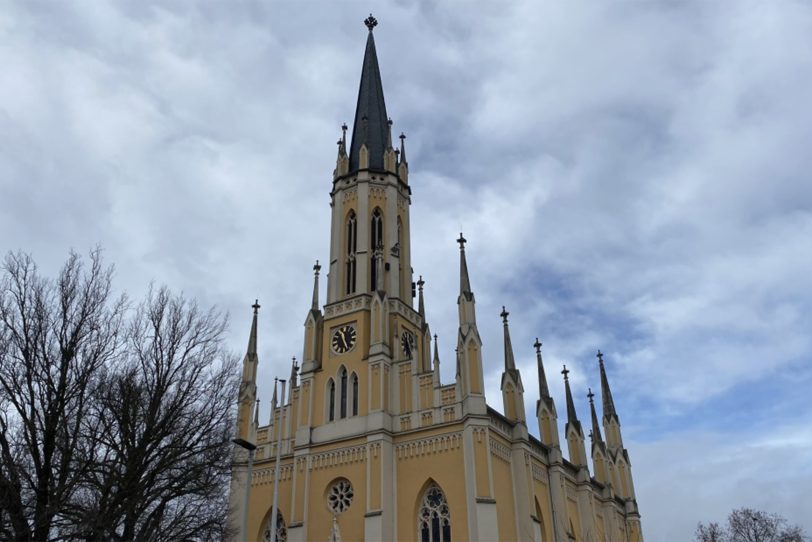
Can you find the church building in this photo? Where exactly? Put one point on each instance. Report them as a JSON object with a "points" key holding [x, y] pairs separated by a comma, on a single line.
{"points": [[370, 443]]}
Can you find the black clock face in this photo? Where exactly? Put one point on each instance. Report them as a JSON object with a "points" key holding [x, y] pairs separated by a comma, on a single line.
{"points": [[407, 342], [343, 339]]}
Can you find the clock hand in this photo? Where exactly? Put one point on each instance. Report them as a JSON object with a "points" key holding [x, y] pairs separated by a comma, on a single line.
{"points": [[343, 338]]}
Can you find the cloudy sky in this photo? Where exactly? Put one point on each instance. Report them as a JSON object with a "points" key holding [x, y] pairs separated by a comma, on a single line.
{"points": [[631, 176]]}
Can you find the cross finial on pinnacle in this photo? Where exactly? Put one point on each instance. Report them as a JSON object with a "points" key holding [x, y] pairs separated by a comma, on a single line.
{"points": [[435, 337], [590, 395], [565, 372], [537, 346], [317, 267], [504, 315], [402, 136], [600, 357], [420, 282], [371, 22], [462, 240], [255, 306]]}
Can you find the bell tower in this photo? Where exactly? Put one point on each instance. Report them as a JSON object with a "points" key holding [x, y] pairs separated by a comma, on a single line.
{"points": [[370, 199]]}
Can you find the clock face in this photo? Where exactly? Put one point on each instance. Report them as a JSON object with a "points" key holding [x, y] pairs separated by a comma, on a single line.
{"points": [[343, 339], [407, 342]]}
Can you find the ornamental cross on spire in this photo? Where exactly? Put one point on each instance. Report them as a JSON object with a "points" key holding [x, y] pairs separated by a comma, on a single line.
{"points": [[255, 306], [420, 282], [504, 315], [600, 357], [371, 22], [590, 395], [317, 268], [565, 372], [462, 240], [537, 346]]}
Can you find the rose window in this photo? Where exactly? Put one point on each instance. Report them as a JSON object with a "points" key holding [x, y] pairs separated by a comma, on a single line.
{"points": [[339, 496]]}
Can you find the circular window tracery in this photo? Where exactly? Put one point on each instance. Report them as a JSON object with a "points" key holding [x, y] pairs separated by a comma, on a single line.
{"points": [[339, 496]]}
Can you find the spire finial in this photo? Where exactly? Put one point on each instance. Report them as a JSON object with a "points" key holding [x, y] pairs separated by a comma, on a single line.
{"points": [[566, 373], [420, 283], [590, 396], [389, 133], [462, 240], [256, 306], [600, 357], [537, 346], [504, 314], [371, 22]]}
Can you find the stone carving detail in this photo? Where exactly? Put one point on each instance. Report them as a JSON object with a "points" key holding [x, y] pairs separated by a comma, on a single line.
{"points": [[448, 395], [335, 458], [431, 445], [344, 307], [500, 450]]}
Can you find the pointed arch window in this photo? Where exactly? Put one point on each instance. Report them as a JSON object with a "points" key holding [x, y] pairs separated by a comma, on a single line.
{"points": [[343, 401], [354, 394], [434, 519], [331, 408], [376, 242], [281, 529], [352, 242]]}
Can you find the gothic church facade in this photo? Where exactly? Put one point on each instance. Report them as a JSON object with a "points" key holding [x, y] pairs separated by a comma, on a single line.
{"points": [[371, 444]]}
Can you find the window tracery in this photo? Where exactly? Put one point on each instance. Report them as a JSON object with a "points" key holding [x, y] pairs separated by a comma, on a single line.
{"points": [[339, 496], [434, 519], [281, 529]]}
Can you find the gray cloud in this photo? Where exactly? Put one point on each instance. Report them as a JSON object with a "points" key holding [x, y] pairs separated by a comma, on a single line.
{"points": [[631, 177]]}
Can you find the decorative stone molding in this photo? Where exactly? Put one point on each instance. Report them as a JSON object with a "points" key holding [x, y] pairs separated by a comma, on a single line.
{"points": [[396, 306], [449, 414], [431, 445], [405, 423], [336, 458], [345, 307], [265, 476], [448, 395], [500, 451], [427, 418]]}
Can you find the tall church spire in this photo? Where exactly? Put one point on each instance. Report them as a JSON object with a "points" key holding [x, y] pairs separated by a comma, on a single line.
{"points": [[246, 429], [512, 388], [545, 406], [544, 390], [596, 429], [606, 393], [465, 283], [371, 126], [314, 306], [572, 429], [572, 416]]}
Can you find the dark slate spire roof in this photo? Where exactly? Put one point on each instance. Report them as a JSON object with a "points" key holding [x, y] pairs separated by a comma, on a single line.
{"points": [[606, 393], [572, 417], [251, 351], [596, 429], [465, 283], [371, 123], [544, 391]]}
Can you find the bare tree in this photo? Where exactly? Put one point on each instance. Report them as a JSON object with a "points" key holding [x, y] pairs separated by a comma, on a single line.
{"points": [[748, 525], [165, 418], [54, 338], [115, 423]]}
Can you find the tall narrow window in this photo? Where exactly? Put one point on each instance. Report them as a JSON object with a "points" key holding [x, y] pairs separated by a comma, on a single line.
{"points": [[434, 519], [343, 402], [354, 394], [332, 407], [376, 241], [352, 238]]}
